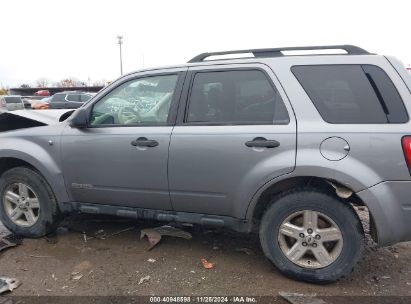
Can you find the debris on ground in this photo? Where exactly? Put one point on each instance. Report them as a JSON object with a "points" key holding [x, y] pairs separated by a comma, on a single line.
{"points": [[154, 235], [144, 279], [8, 284], [207, 264], [247, 251], [40, 256], [151, 260], [9, 240], [102, 235], [76, 277], [299, 298], [82, 267]]}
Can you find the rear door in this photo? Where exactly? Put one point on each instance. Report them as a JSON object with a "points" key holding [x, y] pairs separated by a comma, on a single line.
{"points": [[73, 101], [235, 131], [58, 101]]}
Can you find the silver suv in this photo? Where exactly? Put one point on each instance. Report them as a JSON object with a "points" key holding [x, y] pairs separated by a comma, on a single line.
{"points": [[283, 145], [11, 103]]}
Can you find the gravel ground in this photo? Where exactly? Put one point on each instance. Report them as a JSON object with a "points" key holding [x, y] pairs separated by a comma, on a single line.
{"points": [[120, 264]]}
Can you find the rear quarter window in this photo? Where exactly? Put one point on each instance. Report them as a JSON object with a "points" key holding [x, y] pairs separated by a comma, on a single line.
{"points": [[13, 99], [85, 97], [352, 94]]}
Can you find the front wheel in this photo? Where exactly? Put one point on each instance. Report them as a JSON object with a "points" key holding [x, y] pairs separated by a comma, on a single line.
{"points": [[312, 236], [27, 204]]}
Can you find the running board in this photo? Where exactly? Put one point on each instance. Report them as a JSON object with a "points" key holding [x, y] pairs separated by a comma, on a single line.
{"points": [[158, 215]]}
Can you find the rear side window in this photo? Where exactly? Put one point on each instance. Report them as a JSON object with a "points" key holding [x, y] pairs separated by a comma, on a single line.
{"points": [[73, 97], [355, 94], [58, 97], [13, 99], [235, 97]]}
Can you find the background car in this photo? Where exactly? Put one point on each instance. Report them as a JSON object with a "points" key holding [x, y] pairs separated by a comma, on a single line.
{"points": [[69, 100], [11, 103], [28, 101], [42, 104]]}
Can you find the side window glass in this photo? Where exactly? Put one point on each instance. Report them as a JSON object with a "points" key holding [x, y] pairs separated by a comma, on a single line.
{"points": [[352, 94], [140, 101], [13, 99], [387, 92], [59, 97], [85, 97], [235, 97], [73, 97]]}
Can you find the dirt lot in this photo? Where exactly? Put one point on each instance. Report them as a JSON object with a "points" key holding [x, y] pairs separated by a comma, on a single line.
{"points": [[116, 265]]}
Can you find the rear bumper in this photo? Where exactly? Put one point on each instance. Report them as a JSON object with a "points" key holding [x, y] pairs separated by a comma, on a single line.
{"points": [[390, 206]]}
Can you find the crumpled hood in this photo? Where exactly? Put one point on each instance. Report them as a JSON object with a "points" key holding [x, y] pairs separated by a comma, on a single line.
{"points": [[21, 119]]}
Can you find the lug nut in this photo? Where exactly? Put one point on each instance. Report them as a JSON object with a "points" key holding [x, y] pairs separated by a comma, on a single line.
{"points": [[310, 230], [318, 237], [301, 235], [304, 244], [314, 245]]}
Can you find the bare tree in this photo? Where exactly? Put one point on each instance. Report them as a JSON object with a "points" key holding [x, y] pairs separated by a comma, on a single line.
{"points": [[68, 82], [42, 82], [100, 83], [3, 91], [24, 86]]}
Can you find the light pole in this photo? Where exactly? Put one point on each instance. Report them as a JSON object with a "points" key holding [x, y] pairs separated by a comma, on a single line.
{"points": [[120, 42]]}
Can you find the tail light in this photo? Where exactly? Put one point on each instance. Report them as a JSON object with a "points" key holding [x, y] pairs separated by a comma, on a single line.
{"points": [[406, 147]]}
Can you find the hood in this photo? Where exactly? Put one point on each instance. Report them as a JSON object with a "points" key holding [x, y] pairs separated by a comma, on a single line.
{"points": [[21, 119]]}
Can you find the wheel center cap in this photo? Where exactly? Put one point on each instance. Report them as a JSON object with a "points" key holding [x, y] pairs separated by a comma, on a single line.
{"points": [[309, 239]]}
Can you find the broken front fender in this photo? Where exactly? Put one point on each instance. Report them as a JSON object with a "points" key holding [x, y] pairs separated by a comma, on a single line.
{"points": [[22, 119]]}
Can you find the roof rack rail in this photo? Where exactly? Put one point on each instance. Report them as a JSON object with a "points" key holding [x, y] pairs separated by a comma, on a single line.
{"points": [[277, 52]]}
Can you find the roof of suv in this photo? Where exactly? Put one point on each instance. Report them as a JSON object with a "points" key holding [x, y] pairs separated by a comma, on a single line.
{"points": [[257, 55], [280, 52]]}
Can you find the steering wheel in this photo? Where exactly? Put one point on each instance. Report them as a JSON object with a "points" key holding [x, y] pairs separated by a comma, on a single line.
{"points": [[128, 114]]}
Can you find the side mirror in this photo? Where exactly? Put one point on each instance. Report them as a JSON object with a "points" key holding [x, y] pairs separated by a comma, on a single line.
{"points": [[80, 119]]}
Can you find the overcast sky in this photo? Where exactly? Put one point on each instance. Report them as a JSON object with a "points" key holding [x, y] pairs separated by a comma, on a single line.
{"points": [[59, 39]]}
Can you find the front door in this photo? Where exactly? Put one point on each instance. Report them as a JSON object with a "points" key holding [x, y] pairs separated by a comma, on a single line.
{"points": [[236, 132], [121, 158]]}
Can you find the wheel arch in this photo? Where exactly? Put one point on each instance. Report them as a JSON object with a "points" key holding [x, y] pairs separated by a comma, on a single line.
{"points": [[51, 173], [263, 200]]}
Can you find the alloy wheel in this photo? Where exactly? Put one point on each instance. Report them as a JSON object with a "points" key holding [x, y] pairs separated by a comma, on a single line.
{"points": [[21, 204], [310, 239]]}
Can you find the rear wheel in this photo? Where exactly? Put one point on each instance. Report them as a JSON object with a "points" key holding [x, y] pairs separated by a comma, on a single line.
{"points": [[311, 236], [28, 206]]}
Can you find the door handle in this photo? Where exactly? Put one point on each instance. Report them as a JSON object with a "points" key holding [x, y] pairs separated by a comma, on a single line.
{"points": [[262, 142], [144, 142]]}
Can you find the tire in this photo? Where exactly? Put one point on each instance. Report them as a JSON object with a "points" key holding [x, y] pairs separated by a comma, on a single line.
{"points": [[45, 217], [344, 252]]}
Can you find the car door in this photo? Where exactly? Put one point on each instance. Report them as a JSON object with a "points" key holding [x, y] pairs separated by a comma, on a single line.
{"points": [[58, 101], [73, 101], [236, 132], [121, 157]]}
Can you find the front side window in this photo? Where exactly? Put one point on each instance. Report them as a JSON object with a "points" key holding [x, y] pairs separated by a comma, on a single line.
{"points": [[235, 97], [352, 94], [140, 101]]}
